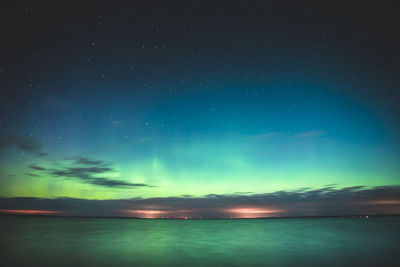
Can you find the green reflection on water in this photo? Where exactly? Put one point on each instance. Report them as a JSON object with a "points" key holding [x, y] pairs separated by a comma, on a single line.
{"points": [[46, 241]]}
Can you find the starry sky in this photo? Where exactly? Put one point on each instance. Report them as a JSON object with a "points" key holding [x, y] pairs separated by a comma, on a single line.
{"points": [[199, 108]]}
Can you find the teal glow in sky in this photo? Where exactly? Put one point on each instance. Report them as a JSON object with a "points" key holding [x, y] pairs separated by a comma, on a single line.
{"points": [[243, 142]]}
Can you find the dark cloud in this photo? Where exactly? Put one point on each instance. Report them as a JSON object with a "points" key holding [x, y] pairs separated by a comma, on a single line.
{"points": [[327, 201], [81, 171], [24, 143], [37, 168], [85, 174], [86, 161], [88, 173], [114, 183]]}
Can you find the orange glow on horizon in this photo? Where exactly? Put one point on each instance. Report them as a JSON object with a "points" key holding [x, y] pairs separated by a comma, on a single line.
{"points": [[253, 212], [146, 211], [148, 214], [386, 202], [29, 211], [156, 213]]}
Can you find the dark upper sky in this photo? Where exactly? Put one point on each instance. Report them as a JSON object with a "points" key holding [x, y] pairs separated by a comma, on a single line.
{"points": [[151, 99]]}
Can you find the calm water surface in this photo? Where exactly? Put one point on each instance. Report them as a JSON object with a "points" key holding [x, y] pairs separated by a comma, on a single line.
{"points": [[50, 241]]}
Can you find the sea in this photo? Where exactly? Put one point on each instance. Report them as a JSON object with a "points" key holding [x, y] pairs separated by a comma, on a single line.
{"points": [[60, 241]]}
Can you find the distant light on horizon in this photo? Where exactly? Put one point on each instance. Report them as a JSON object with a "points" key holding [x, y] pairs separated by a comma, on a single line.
{"points": [[37, 212], [253, 212], [155, 214]]}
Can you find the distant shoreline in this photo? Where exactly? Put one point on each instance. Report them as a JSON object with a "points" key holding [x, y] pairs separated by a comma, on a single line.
{"points": [[196, 219]]}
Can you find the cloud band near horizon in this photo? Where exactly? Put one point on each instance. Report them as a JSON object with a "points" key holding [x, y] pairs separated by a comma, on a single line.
{"points": [[327, 201]]}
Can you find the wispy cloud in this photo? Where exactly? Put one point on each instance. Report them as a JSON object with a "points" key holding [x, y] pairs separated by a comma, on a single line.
{"points": [[32, 174], [86, 161], [24, 143], [297, 135], [37, 168], [88, 171], [310, 134]]}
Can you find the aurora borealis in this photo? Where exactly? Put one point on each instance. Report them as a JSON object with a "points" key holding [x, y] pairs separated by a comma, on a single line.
{"points": [[199, 109]]}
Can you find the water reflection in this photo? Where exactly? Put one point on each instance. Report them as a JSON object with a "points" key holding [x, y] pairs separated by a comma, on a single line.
{"points": [[43, 241]]}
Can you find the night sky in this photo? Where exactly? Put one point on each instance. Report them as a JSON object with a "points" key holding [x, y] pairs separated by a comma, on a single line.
{"points": [[199, 108]]}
